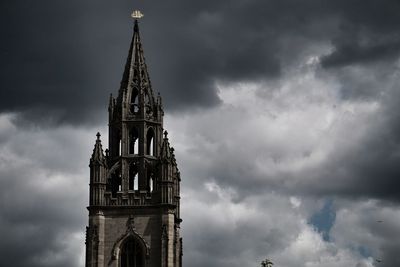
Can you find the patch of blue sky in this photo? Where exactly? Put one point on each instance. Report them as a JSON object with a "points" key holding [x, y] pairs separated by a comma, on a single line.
{"points": [[324, 219]]}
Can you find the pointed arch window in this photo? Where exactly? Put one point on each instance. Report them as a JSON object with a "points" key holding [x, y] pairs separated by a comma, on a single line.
{"points": [[115, 182], [150, 142], [134, 106], [131, 254], [151, 183], [150, 180], [133, 177], [116, 143], [133, 141]]}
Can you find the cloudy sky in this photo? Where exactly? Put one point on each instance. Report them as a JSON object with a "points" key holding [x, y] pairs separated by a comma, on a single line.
{"points": [[284, 116]]}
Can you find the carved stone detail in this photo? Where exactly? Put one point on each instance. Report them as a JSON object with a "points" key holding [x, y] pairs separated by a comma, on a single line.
{"points": [[130, 232]]}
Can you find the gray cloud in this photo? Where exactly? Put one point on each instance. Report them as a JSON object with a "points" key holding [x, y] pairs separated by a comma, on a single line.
{"points": [[42, 196], [378, 229]]}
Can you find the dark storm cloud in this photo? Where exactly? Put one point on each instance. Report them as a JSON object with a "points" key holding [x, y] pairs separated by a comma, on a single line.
{"points": [[348, 54], [60, 60], [368, 31], [51, 57]]}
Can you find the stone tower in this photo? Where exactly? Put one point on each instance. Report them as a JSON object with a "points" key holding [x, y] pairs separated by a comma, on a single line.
{"points": [[134, 216]]}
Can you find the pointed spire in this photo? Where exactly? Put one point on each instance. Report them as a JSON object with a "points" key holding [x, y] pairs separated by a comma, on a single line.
{"points": [[167, 152], [98, 155], [135, 72], [165, 147], [172, 150]]}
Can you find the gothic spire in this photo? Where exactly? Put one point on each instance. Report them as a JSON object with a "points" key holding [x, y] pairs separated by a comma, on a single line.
{"points": [[167, 152], [135, 72], [98, 155]]}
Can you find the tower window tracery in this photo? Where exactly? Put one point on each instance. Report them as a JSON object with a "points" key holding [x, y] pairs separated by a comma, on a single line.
{"points": [[116, 142], [133, 177], [115, 182], [150, 142], [150, 180], [134, 104], [133, 141], [131, 254]]}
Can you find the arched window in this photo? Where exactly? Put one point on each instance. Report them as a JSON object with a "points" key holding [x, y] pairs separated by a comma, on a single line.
{"points": [[136, 182], [133, 177], [151, 184], [133, 141], [116, 143], [134, 107], [131, 254], [150, 142], [115, 182], [150, 181]]}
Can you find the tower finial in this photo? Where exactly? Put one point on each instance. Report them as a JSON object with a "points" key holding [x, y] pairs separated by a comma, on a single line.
{"points": [[136, 14]]}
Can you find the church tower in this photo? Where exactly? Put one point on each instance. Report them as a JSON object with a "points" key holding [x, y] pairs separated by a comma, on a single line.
{"points": [[134, 218]]}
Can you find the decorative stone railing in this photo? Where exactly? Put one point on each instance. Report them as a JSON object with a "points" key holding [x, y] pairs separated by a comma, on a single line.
{"points": [[130, 198]]}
